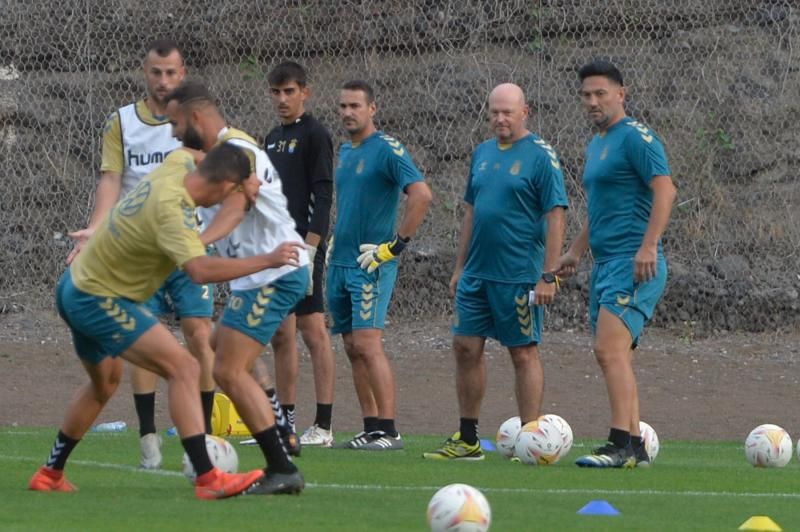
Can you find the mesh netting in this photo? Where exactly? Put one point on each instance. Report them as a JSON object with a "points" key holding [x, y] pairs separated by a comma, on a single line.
{"points": [[718, 80]]}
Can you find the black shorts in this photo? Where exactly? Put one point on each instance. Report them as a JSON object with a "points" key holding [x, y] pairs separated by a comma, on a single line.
{"points": [[314, 302]]}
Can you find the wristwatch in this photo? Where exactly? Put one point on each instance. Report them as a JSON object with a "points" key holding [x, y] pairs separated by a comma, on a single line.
{"points": [[549, 277]]}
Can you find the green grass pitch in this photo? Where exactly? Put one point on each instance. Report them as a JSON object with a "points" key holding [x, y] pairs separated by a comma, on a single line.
{"points": [[692, 486]]}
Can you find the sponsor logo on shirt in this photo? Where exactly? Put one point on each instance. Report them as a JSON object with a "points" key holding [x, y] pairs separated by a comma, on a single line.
{"points": [[144, 159]]}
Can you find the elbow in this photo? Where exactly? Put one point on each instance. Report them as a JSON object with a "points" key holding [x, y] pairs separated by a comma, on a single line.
{"points": [[196, 272], [425, 196]]}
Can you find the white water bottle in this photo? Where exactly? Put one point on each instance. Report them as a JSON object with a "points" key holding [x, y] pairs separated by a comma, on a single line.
{"points": [[114, 426]]}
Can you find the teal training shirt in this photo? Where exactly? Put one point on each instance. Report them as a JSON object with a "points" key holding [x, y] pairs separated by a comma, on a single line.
{"points": [[511, 188], [369, 179], [620, 164]]}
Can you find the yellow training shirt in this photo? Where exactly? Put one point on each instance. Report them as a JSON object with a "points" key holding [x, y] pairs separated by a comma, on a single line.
{"points": [[143, 238]]}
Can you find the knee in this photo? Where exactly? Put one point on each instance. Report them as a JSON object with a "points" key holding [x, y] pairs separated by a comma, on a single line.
{"points": [[606, 357], [281, 342], [465, 354], [198, 338], [225, 375], [103, 391], [315, 339], [524, 358]]}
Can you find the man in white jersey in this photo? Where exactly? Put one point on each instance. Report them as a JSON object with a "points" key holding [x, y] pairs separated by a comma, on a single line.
{"points": [[259, 302], [136, 139]]}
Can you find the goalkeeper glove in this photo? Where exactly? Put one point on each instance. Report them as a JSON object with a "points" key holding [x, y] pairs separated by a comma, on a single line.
{"points": [[373, 255]]}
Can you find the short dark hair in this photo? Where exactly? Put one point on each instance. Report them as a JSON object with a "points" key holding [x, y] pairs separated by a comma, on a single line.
{"points": [[360, 85], [601, 68], [287, 72], [191, 92], [163, 47], [225, 162]]}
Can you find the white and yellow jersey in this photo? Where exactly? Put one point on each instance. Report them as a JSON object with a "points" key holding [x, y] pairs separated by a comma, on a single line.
{"points": [[135, 142], [266, 225]]}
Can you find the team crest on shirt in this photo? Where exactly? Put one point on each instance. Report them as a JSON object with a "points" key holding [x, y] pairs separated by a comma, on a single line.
{"points": [[360, 167], [515, 168], [604, 154], [133, 201], [189, 218], [292, 145]]}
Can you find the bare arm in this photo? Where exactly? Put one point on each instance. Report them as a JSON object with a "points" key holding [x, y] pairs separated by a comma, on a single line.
{"points": [[106, 196], [556, 223], [646, 257], [463, 247], [417, 204], [205, 269], [567, 264], [229, 216]]}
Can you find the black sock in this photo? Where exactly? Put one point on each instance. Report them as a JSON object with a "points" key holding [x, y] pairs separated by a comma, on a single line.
{"points": [[468, 427], [636, 442], [324, 414], [387, 426], [195, 447], [146, 410], [280, 419], [274, 452], [208, 406], [620, 438], [288, 411], [370, 424], [60, 451]]}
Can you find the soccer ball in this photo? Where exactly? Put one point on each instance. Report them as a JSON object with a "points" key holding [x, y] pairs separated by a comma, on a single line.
{"points": [[459, 508], [650, 440], [768, 446], [507, 436], [221, 453], [564, 429], [539, 443]]}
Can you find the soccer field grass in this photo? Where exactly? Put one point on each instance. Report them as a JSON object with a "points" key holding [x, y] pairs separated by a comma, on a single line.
{"points": [[692, 486]]}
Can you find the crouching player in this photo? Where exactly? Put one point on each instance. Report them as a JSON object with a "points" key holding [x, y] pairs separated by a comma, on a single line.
{"points": [[150, 231]]}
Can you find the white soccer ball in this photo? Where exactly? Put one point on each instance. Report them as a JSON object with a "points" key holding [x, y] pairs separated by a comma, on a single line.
{"points": [[459, 508], [564, 429], [221, 453], [650, 440], [539, 443], [507, 436], [768, 446]]}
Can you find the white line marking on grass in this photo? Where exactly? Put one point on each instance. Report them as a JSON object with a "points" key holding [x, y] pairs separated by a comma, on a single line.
{"points": [[92, 463], [561, 491], [368, 487]]}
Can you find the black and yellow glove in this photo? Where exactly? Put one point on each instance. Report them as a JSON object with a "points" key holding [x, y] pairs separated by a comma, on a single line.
{"points": [[373, 255]]}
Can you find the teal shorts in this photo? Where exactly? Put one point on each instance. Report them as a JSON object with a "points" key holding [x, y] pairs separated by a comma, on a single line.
{"points": [[614, 289], [258, 312], [357, 299], [181, 296], [101, 326], [497, 310]]}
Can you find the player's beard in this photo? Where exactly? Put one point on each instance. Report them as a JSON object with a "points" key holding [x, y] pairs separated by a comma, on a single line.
{"points": [[192, 139]]}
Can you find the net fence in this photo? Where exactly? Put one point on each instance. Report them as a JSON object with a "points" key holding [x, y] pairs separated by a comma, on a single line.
{"points": [[719, 81]]}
